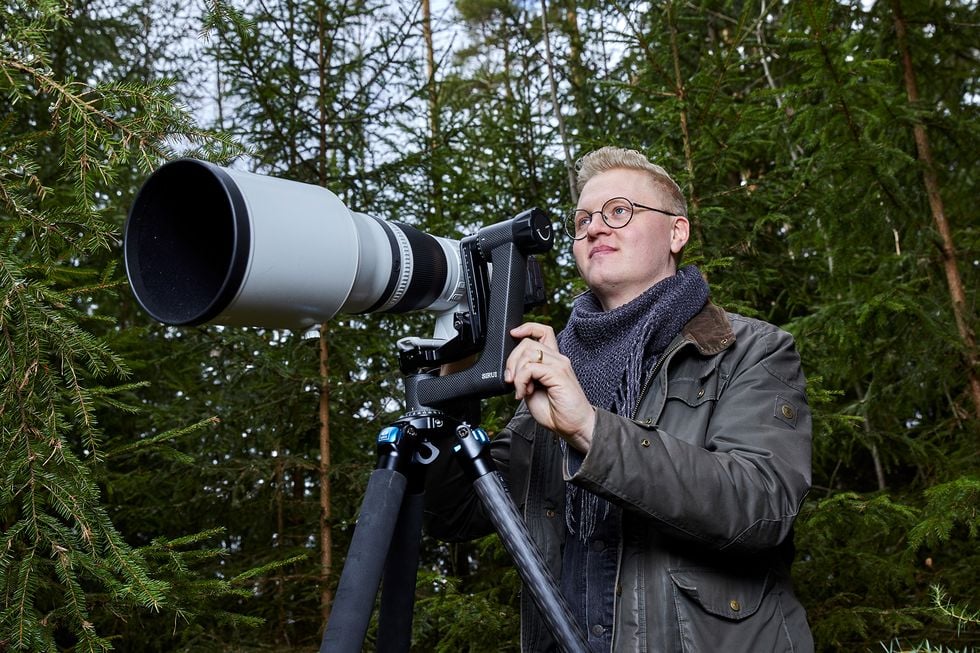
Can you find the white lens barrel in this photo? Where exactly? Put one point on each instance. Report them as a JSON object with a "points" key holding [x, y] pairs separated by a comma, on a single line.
{"points": [[206, 244]]}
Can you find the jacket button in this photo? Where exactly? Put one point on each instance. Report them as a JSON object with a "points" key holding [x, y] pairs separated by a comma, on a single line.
{"points": [[700, 393], [598, 630], [787, 411], [644, 442], [549, 513], [735, 605]]}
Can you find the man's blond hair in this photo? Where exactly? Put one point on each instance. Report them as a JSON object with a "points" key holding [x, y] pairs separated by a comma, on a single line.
{"points": [[618, 158]]}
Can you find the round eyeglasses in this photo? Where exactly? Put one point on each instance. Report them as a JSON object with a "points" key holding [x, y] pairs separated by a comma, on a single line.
{"points": [[616, 213]]}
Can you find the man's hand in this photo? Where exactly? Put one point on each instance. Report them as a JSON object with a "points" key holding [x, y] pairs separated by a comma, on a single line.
{"points": [[544, 379]]}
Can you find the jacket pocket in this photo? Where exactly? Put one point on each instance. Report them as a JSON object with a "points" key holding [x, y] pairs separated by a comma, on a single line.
{"points": [[720, 611], [720, 594], [695, 384]]}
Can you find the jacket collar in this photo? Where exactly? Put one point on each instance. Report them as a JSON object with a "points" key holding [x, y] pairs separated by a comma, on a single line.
{"points": [[710, 330]]}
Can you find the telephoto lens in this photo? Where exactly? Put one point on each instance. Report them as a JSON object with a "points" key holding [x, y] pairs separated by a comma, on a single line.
{"points": [[207, 244]]}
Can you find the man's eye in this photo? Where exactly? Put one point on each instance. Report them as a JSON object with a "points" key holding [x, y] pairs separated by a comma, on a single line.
{"points": [[583, 221]]}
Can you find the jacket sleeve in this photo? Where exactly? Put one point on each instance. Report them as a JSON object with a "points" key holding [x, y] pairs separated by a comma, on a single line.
{"points": [[732, 478]]}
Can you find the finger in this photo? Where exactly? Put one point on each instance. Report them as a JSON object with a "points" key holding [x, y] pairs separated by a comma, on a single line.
{"points": [[524, 368], [513, 362], [526, 351], [535, 331], [542, 333], [523, 390], [517, 360], [529, 370]]}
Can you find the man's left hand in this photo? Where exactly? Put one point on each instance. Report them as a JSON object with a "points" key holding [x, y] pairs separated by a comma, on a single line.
{"points": [[544, 379]]}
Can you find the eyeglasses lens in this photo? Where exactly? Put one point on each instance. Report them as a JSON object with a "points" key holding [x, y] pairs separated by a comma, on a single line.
{"points": [[615, 212]]}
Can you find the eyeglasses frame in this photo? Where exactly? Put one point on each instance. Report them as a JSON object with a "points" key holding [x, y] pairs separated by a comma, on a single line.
{"points": [[633, 207]]}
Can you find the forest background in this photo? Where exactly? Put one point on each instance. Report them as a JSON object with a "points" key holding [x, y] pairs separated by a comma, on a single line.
{"points": [[195, 489]]}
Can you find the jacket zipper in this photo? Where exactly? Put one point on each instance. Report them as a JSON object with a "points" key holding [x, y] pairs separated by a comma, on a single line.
{"points": [[656, 369], [619, 559]]}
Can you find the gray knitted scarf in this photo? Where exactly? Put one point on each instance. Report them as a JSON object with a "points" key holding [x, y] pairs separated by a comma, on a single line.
{"points": [[612, 352]]}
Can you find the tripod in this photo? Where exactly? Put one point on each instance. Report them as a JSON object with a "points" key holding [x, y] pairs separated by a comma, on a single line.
{"points": [[387, 537]]}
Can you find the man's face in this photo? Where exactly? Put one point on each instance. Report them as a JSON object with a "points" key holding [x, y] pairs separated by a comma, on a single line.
{"points": [[620, 264]]}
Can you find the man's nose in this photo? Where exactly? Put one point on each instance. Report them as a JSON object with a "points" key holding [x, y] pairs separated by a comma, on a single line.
{"points": [[597, 225]]}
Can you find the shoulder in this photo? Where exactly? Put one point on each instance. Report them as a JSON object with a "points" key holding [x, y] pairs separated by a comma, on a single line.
{"points": [[736, 343], [758, 341], [755, 331], [752, 327]]}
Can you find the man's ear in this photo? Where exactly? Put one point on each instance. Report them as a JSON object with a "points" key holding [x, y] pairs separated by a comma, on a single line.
{"points": [[680, 231]]}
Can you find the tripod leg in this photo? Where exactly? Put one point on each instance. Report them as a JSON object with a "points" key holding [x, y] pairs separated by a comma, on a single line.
{"points": [[531, 565], [472, 454], [401, 573], [359, 581]]}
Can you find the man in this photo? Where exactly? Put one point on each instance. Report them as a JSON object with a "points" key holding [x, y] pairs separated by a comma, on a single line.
{"points": [[662, 449]]}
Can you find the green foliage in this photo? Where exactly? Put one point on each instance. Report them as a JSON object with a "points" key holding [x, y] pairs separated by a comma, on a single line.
{"points": [[925, 647], [850, 548], [476, 611], [951, 613], [959, 615], [449, 620], [948, 505], [876, 552]]}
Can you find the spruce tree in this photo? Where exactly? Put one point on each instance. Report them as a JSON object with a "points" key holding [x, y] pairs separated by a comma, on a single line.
{"points": [[80, 124]]}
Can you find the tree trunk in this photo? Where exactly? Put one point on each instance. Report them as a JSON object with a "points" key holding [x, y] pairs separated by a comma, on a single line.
{"points": [[681, 93], [435, 128], [279, 488], [872, 446], [326, 532], [562, 131], [946, 248]]}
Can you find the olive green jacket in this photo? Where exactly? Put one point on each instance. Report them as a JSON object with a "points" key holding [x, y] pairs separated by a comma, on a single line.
{"points": [[710, 471]]}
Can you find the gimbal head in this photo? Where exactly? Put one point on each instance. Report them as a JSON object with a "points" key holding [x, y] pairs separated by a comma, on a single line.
{"points": [[497, 303]]}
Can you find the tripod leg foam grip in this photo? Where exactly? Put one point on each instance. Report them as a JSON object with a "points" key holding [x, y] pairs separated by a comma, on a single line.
{"points": [[401, 573], [358, 588]]}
